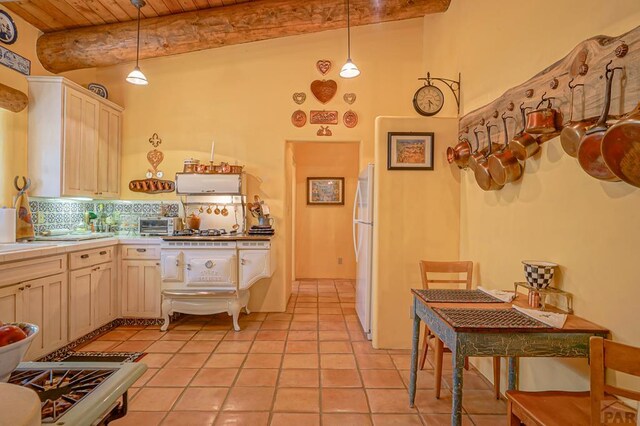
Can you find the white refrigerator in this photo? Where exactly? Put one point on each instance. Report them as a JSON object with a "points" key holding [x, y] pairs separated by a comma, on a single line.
{"points": [[363, 245]]}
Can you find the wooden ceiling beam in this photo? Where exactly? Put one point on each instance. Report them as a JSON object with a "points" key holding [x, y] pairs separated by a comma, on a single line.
{"points": [[112, 44], [12, 99]]}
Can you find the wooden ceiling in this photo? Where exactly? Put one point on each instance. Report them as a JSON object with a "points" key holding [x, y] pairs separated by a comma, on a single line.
{"points": [[56, 15]]}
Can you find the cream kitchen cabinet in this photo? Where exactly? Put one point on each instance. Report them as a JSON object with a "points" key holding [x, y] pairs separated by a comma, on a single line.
{"points": [[92, 298], [11, 302], [254, 265], [140, 288], [74, 139]]}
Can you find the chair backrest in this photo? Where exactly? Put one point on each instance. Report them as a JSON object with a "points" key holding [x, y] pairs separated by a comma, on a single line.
{"points": [[616, 356], [429, 268]]}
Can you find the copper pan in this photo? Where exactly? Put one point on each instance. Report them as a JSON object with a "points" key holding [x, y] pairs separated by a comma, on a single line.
{"points": [[460, 153], [523, 145], [542, 121], [621, 148], [504, 166], [477, 154], [573, 131], [590, 148], [482, 173]]}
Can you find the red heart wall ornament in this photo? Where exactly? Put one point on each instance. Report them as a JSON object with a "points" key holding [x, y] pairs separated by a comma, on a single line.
{"points": [[323, 65], [324, 90]]}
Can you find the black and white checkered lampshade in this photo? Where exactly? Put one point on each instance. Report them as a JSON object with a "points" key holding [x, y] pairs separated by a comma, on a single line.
{"points": [[539, 274]]}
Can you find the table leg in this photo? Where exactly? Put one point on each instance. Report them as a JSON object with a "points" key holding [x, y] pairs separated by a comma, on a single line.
{"points": [[414, 358], [458, 371], [513, 373]]}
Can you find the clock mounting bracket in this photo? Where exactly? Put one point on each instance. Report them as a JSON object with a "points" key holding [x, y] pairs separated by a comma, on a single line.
{"points": [[454, 85]]}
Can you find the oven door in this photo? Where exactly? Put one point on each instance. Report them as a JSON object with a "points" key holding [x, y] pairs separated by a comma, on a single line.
{"points": [[211, 269]]}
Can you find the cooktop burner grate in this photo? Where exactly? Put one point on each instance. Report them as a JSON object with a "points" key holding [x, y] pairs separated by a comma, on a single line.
{"points": [[200, 233], [59, 389]]}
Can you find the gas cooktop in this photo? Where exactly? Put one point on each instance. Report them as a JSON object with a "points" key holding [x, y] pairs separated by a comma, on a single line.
{"points": [[188, 234]]}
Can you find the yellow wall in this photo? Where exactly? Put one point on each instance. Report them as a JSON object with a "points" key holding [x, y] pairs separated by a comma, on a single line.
{"points": [[324, 232], [416, 216], [556, 212]]}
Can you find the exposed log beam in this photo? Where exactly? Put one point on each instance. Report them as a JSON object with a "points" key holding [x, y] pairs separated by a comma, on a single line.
{"points": [[111, 44], [12, 99]]}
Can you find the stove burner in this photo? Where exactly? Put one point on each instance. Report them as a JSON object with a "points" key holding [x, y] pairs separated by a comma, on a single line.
{"points": [[200, 233], [59, 390]]}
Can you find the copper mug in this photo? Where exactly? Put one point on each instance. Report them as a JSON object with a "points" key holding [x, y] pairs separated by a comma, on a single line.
{"points": [[542, 121]]}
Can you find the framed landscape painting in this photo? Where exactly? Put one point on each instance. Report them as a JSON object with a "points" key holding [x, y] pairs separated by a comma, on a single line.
{"points": [[410, 151], [325, 190]]}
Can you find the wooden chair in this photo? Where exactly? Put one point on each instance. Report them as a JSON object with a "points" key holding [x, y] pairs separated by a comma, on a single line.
{"points": [[596, 407], [428, 268]]}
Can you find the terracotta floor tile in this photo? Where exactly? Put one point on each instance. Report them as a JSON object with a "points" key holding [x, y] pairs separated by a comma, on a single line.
{"points": [[482, 402], [487, 419], [303, 400], [130, 346], [263, 361], [188, 418], [295, 419], [445, 420], [172, 377], [242, 335], [215, 377], [346, 419], [389, 401], [302, 347], [275, 325], [144, 378], [225, 360], [257, 377], [335, 348], [242, 419], [148, 335], [249, 399], [425, 380], [250, 325], [202, 346], [187, 361], [426, 401], [374, 361], [267, 347], [300, 361], [155, 399], [156, 360], [165, 347], [331, 311], [118, 335], [338, 361], [138, 418], [201, 399], [230, 347], [188, 327], [279, 317], [397, 420], [301, 310], [471, 380], [99, 345], [402, 362], [332, 326], [331, 318], [344, 401], [178, 335], [304, 325], [303, 335], [272, 335], [209, 335], [333, 335], [299, 378], [305, 317], [365, 348], [381, 379], [340, 378]]}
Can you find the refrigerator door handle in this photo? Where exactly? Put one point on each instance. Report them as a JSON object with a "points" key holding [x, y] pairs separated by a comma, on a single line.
{"points": [[355, 223]]}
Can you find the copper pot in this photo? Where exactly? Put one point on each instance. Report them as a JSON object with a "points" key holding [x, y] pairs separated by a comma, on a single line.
{"points": [[573, 131], [460, 153], [482, 173], [477, 154], [621, 148], [542, 121], [523, 145], [504, 166], [193, 221], [590, 148]]}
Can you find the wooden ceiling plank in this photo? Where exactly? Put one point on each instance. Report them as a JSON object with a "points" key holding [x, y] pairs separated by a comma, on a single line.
{"points": [[215, 3], [119, 11], [201, 4], [159, 7], [216, 27], [187, 5], [51, 11], [82, 7], [34, 15], [70, 12], [174, 6]]}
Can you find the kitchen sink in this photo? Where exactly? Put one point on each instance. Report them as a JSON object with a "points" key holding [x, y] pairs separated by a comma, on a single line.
{"points": [[11, 247]]}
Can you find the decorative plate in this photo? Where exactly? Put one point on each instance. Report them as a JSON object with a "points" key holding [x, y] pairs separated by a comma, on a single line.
{"points": [[98, 89], [299, 97], [323, 65], [324, 90], [350, 119], [349, 98], [299, 118], [8, 30]]}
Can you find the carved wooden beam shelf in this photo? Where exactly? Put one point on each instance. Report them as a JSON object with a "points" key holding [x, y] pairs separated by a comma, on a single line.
{"points": [[12, 99], [585, 65]]}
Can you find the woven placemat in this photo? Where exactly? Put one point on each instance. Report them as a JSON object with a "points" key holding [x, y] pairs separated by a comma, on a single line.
{"points": [[457, 295], [488, 318]]}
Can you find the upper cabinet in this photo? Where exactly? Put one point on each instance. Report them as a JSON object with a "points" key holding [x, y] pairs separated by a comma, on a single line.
{"points": [[74, 140]]}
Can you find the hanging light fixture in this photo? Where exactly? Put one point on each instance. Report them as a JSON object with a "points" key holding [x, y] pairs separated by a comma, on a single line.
{"points": [[136, 76], [349, 69]]}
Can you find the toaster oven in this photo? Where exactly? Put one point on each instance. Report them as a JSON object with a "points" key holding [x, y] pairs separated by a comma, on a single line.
{"points": [[156, 225]]}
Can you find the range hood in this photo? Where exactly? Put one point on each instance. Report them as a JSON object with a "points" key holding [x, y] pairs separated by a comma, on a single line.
{"points": [[209, 184]]}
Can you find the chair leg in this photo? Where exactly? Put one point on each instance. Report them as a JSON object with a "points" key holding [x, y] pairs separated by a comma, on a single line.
{"points": [[466, 363], [425, 348], [438, 357], [496, 377], [512, 419]]}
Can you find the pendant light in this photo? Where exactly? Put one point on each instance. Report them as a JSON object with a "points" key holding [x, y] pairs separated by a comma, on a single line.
{"points": [[136, 76], [349, 69]]}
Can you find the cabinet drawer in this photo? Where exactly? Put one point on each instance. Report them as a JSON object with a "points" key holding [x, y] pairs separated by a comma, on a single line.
{"points": [[141, 252], [83, 259], [16, 272]]}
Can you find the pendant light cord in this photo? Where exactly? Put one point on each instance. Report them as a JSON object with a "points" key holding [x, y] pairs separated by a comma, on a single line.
{"points": [[348, 31], [138, 44]]}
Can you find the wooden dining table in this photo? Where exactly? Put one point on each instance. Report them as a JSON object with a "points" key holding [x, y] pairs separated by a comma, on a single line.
{"points": [[570, 341]]}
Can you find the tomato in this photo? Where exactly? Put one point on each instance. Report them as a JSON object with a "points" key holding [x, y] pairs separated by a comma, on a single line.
{"points": [[10, 334]]}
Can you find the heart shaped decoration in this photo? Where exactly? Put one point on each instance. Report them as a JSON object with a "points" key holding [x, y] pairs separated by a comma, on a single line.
{"points": [[349, 98], [324, 90], [155, 157], [299, 97], [323, 65]]}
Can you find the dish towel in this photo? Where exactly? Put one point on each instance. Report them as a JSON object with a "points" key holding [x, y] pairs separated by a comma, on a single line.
{"points": [[505, 296], [552, 319]]}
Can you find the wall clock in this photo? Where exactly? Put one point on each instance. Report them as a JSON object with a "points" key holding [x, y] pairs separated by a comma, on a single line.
{"points": [[8, 30], [428, 100]]}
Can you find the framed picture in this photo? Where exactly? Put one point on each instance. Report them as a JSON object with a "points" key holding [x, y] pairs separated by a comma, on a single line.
{"points": [[410, 151], [325, 190]]}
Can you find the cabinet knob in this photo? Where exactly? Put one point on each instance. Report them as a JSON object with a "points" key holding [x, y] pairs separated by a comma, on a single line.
{"points": [[20, 288], [84, 256], [188, 266], [102, 253], [243, 262], [141, 250], [157, 263], [28, 286]]}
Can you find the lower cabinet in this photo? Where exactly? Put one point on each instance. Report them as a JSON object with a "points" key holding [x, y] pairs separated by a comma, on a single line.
{"points": [[92, 298], [254, 265], [42, 302], [141, 288]]}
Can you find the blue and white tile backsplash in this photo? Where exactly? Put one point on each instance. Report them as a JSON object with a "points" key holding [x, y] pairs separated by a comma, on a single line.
{"points": [[68, 214]]}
